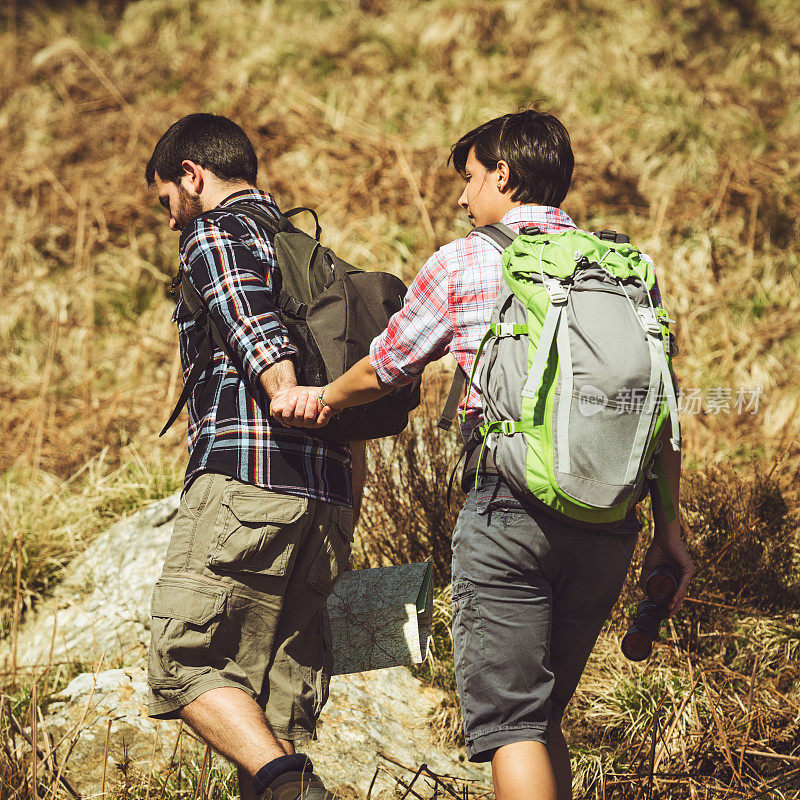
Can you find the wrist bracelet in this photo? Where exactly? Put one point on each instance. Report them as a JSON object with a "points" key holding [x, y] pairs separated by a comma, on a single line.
{"points": [[322, 404]]}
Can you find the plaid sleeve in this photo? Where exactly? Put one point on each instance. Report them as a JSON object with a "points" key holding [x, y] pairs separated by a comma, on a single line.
{"points": [[238, 290], [420, 332]]}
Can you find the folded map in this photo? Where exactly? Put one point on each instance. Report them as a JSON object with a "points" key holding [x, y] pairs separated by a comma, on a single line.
{"points": [[381, 617]]}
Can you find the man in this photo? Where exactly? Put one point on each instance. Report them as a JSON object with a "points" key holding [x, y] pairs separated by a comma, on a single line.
{"points": [[239, 646], [530, 592]]}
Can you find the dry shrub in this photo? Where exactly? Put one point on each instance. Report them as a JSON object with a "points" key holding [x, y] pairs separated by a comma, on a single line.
{"points": [[744, 537], [406, 516]]}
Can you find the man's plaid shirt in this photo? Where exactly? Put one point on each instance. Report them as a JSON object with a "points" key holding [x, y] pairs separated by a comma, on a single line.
{"points": [[232, 264], [449, 305]]}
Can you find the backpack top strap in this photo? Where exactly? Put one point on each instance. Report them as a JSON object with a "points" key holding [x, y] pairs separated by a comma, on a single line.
{"points": [[498, 235], [270, 223]]}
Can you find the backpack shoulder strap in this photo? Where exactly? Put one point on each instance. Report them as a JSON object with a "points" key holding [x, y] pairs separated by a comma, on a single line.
{"points": [[272, 225], [453, 396], [212, 336], [204, 356], [286, 301], [498, 235], [199, 311]]}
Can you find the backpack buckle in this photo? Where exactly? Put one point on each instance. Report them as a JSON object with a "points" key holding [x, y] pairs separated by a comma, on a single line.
{"points": [[174, 285], [557, 292], [612, 236], [649, 321]]}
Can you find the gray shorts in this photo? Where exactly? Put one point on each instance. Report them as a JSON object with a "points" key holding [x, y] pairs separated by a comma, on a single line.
{"points": [[241, 601], [530, 596]]}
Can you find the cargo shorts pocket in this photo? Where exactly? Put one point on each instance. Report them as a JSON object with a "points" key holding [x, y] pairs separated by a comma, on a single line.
{"points": [[254, 531], [469, 635], [185, 615], [334, 554]]}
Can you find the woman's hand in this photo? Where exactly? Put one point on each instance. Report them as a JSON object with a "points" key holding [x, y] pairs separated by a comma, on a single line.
{"points": [[299, 406], [670, 550]]}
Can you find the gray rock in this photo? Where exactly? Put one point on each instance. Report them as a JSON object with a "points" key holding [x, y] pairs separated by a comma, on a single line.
{"points": [[371, 718], [101, 608], [100, 616]]}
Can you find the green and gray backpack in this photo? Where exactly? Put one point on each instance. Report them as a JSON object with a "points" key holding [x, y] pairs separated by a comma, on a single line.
{"points": [[576, 379]]}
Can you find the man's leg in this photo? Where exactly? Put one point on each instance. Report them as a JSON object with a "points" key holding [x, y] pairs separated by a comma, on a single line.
{"points": [[249, 743], [214, 626]]}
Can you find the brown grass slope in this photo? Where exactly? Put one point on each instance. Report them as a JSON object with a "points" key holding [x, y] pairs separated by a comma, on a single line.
{"points": [[685, 121], [684, 118]]}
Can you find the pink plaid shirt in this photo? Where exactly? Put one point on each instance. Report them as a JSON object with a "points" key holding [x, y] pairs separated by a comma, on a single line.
{"points": [[449, 304]]}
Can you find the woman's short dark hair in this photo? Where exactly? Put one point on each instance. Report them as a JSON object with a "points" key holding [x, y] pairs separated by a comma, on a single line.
{"points": [[536, 147], [214, 142]]}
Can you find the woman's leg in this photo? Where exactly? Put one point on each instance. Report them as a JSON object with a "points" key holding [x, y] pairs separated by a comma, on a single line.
{"points": [[523, 771], [503, 568], [529, 771], [559, 758]]}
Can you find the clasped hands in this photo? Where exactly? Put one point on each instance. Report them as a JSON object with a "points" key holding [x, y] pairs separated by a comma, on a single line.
{"points": [[300, 407]]}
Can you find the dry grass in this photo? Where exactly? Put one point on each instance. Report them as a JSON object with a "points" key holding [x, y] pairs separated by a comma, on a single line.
{"points": [[191, 771], [45, 521], [685, 122]]}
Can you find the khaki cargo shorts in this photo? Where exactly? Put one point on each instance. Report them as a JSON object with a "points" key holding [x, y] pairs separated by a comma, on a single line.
{"points": [[241, 601]]}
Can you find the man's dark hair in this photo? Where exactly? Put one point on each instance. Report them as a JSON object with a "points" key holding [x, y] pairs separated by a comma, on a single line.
{"points": [[536, 147], [215, 143]]}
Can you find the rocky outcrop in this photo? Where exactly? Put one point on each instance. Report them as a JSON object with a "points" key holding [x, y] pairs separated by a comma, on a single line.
{"points": [[99, 616], [100, 610]]}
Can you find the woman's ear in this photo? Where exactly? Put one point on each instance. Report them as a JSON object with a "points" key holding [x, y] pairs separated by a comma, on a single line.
{"points": [[503, 176]]}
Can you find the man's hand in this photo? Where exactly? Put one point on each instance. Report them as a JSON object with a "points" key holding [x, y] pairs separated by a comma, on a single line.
{"points": [[670, 550], [298, 406]]}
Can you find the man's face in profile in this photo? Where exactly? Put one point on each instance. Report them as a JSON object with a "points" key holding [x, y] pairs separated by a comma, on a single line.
{"points": [[180, 203]]}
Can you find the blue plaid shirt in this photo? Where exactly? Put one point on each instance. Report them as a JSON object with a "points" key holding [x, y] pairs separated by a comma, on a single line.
{"points": [[232, 265]]}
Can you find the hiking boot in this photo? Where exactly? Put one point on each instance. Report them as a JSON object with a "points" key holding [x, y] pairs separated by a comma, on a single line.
{"points": [[297, 786]]}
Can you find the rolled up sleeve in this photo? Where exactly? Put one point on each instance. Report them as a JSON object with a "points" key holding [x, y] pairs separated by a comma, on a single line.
{"points": [[420, 332], [238, 290]]}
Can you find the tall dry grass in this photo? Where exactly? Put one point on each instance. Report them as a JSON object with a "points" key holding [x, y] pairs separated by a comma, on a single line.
{"points": [[685, 122]]}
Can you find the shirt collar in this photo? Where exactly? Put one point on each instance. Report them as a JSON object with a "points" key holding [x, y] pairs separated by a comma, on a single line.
{"points": [[538, 215], [245, 194]]}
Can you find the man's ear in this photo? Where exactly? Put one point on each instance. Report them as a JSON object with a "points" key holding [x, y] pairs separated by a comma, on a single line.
{"points": [[503, 176], [193, 175]]}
